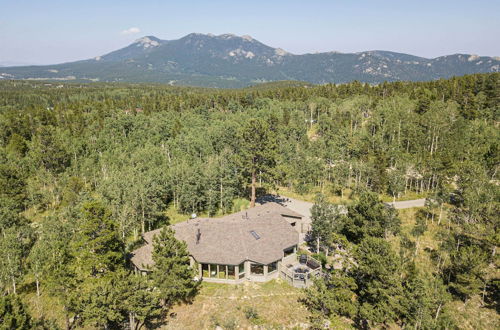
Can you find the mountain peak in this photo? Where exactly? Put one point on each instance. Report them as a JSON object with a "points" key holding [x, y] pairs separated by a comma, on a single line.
{"points": [[229, 60], [224, 36], [147, 42]]}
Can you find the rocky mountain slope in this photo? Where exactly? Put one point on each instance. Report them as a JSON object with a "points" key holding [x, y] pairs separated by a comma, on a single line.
{"points": [[235, 61]]}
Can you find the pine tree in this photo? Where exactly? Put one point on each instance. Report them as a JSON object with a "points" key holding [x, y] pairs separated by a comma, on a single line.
{"points": [[257, 147], [13, 314], [100, 301], [142, 301], [97, 255], [380, 290], [370, 217], [332, 295], [97, 247], [467, 271], [425, 297], [172, 274]]}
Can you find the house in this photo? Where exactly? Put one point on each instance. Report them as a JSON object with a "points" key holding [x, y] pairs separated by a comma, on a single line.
{"points": [[258, 244]]}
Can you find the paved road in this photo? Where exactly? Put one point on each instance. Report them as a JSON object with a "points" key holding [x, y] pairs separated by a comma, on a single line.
{"points": [[408, 204]]}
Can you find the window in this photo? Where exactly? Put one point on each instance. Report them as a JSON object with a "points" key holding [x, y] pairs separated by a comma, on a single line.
{"points": [[293, 224], [272, 267], [222, 271], [256, 269], [213, 270], [289, 251], [230, 272], [204, 270], [241, 270]]}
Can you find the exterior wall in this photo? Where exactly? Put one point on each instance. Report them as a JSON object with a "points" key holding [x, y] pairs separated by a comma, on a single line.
{"points": [[142, 272], [289, 260], [248, 276], [235, 280], [223, 281], [266, 276]]}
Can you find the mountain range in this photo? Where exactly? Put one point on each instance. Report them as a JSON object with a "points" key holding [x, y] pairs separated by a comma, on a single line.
{"points": [[229, 61]]}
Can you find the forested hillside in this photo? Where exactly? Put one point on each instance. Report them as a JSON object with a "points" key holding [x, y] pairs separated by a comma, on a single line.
{"points": [[230, 61], [86, 168]]}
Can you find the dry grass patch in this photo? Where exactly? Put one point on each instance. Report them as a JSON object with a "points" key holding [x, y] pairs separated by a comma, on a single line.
{"points": [[472, 315], [271, 305]]}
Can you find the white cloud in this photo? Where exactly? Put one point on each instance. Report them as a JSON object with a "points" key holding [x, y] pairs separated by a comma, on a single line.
{"points": [[132, 30]]}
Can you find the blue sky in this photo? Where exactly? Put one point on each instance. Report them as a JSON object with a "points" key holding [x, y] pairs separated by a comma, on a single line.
{"points": [[44, 32]]}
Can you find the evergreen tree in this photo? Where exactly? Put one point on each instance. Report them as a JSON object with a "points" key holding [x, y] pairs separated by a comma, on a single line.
{"points": [[425, 299], [419, 229], [257, 147], [369, 217], [13, 314], [97, 247], [98, 254], [466, 271], [332, 295], [99, 302], [172, 274], [380, 290], [142, 302]]}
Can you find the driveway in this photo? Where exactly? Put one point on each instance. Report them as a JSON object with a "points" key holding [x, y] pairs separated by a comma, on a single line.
{"points": [[296, 205], [408, 204], [304, 208]]}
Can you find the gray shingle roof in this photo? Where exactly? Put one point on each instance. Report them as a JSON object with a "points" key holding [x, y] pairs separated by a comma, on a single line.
{"points": [[228, 240]]}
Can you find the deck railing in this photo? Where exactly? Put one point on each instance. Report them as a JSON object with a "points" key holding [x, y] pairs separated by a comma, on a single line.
{"points": [[300, 280]]}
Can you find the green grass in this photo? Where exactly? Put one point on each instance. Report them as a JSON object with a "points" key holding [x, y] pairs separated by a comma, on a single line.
{"points": [[175, 216], [333, 198], [240, 204], [311, 195], [44, 307]]}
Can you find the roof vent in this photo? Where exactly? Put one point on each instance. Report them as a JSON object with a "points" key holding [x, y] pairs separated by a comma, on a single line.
{"points": [[254, 234], [198, 236]]}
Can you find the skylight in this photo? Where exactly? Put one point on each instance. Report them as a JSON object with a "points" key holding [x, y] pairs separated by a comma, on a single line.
{"points": [[254, 234]]}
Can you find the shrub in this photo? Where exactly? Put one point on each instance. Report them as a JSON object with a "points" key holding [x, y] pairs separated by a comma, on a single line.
{"points": [[251, 313]]}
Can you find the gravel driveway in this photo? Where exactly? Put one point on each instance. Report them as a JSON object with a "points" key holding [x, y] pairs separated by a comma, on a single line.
{"points": [[304, 207], [408, 204]]}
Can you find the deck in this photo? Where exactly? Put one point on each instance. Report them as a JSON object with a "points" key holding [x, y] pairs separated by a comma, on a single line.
{"points": [[300, 271]]}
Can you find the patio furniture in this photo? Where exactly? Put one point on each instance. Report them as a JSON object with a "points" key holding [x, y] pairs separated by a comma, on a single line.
{"points": [[313, 264]]}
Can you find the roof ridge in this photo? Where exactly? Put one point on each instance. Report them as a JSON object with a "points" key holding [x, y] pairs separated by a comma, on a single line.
{"points": [[245, 248]]}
